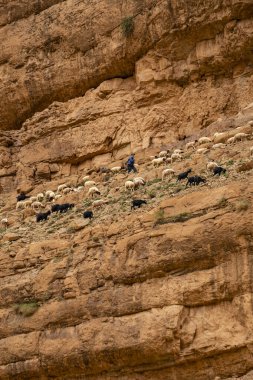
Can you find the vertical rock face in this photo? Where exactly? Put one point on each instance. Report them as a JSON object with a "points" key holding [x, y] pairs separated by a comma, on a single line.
{"points": [[67, 70], [129, 297], [139, 301], [82, 42]]}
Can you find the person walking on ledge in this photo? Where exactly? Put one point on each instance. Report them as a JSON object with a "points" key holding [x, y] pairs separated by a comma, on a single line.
{"points": [[130, 164]]}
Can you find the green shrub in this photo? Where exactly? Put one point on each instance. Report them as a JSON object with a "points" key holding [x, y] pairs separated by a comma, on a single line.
{"points": [[87, 202], [127, 26], [26, 309], [159, 216], [151, 194], [223, 202], [242, 205], [152, 181], [181, 217]]}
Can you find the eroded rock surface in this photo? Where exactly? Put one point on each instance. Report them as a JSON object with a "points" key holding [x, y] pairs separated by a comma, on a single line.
{"points": [[164, 292]]}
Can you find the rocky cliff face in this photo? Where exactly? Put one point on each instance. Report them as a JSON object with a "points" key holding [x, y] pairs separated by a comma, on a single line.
{"points": [[155, 297], [186, 64]]}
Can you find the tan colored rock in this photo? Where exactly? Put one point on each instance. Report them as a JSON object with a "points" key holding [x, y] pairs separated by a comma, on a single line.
{"points": [[43, 171], [9, 236], [160, 292]]}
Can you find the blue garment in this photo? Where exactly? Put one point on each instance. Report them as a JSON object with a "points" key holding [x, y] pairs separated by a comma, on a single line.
{"points": [[130, 161]]}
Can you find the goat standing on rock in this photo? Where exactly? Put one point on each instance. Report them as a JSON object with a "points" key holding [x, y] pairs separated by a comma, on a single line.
{"points": [[183, 175], [42, 216], [195, 180], [218, 170], [88, 214], [137, 203], [22, 197]]}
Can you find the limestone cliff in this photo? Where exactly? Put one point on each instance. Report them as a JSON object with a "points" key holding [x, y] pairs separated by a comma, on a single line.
{"points": [[164, 292]]}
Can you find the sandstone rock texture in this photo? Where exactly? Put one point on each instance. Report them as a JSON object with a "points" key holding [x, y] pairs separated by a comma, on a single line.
{"points": [[129, 296], [143, 302], [80, 93]]}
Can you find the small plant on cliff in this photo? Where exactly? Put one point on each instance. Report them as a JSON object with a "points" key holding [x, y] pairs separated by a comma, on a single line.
{"points": [[26, 309], [152, 181], [159, 216], [127, 26], [87, 202], [223, 202], [183, 217], [242, 205], [151, 193]]}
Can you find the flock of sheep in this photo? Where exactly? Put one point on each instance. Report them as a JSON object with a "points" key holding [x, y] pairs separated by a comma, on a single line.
{"points": [[165, 157]]}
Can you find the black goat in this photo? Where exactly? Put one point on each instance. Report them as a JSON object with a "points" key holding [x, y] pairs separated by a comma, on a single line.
{"points": [[195, 180], [62, 208], [65, 207], [137, 203], [183, 175], [22, 197], [42, 216], [218, 170], [55, 208], [88, 214]]}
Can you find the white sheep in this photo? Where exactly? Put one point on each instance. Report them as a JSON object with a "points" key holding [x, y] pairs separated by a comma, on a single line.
{"points": [[204, 140], [93, 190], [241, 136], [40, 197], [231, 140], [190, 144], [218, 134], [36, 205], [163, 153], [28, 203], [89, 183], [168, 160], [178, 151], [78, 189], [158, 161], [176, 156], [86, 178], [129, 185], [138, 182], [50, 195], [202, 150], [211, 165], [98, 203], [116, 169], [61, 187], [57, 196], [220, 137], [20, 205], [66, 190], [5, 222], [219, 145], [33, 199], [142, 179], [167, 172]]}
